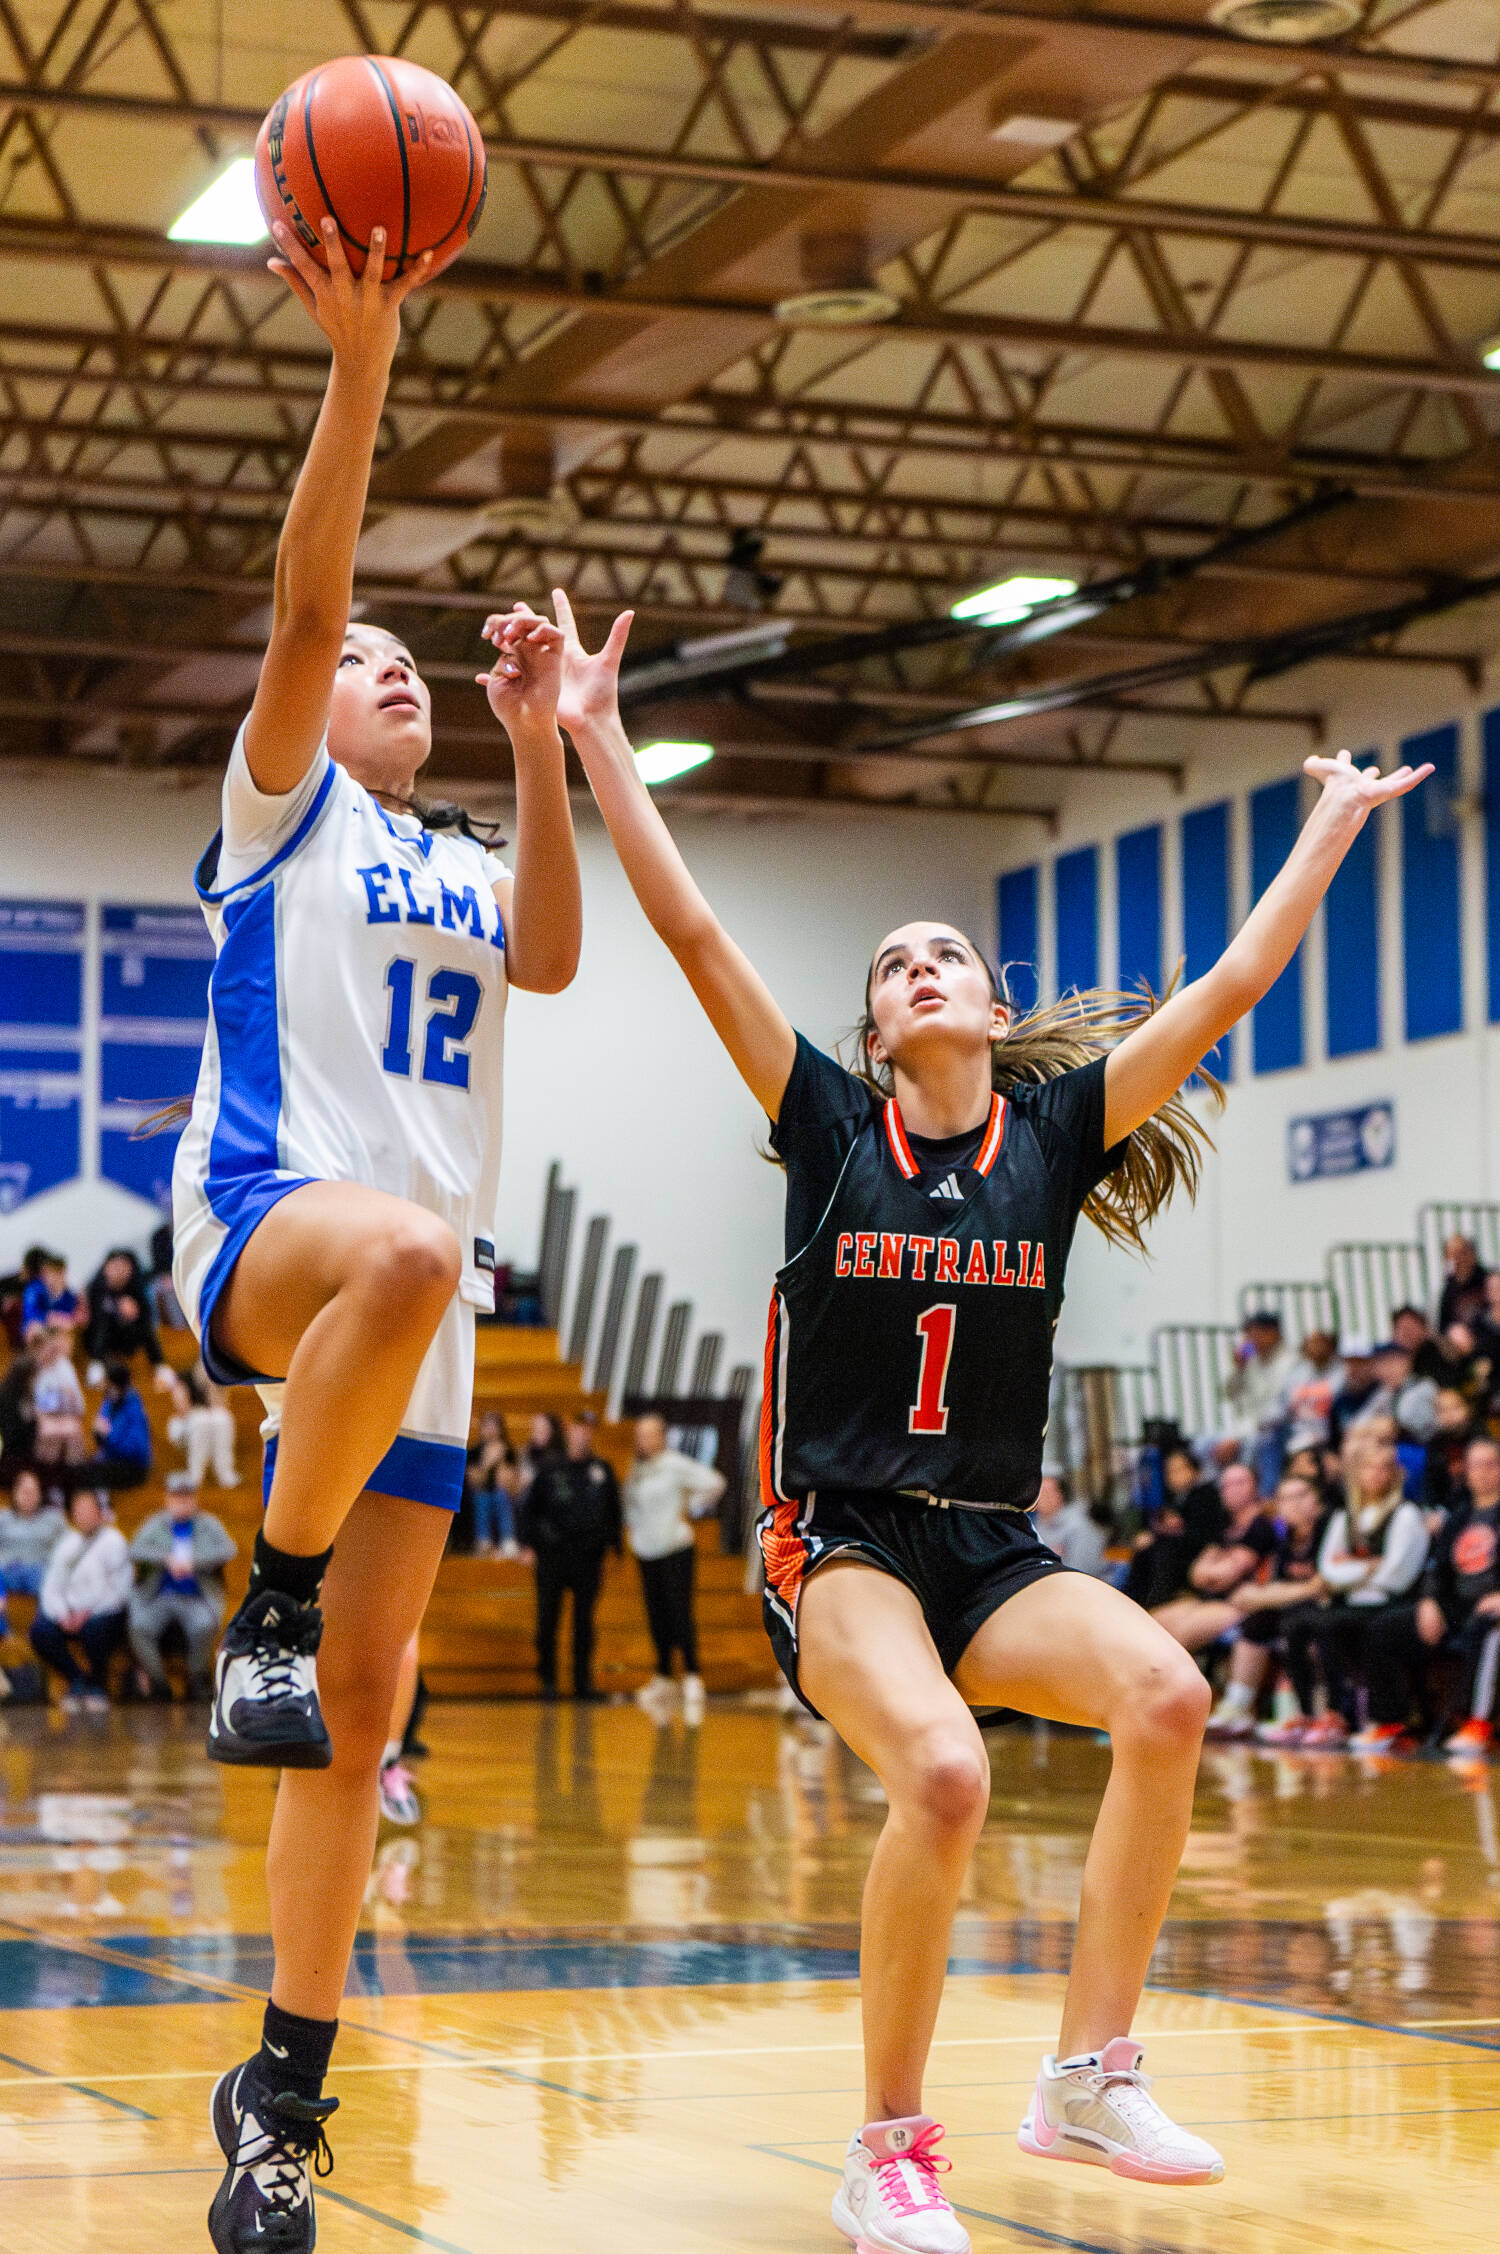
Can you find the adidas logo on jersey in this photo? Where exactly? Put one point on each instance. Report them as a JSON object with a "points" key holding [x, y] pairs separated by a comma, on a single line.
{"points": [[893, 1256], [948, 1187]]}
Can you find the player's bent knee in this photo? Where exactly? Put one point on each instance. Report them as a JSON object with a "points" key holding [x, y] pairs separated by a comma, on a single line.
{"points": [[1168, 1702], [415, 1264], [947, 1787]]}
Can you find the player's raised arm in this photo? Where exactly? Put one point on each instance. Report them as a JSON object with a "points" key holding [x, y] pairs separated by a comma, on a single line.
{"points": [[361, 318], [1152, 1063], [541, 903], [740, 1007]]}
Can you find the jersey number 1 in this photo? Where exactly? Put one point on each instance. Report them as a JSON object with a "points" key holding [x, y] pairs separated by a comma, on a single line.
{"points": [[935, 1329], [445, 1061]]}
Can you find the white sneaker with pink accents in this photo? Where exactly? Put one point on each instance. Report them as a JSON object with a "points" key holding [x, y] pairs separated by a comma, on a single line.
{"points": [[1099, 2109], [889, 2201]]}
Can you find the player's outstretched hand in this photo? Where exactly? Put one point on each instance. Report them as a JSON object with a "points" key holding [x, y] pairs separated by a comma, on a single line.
{"points": [[359, 314], [590, 683], [523, 683], [1361, 788]]}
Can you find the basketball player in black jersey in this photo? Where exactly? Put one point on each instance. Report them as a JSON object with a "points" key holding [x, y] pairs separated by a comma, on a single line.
{"points": [[931, 1202]]}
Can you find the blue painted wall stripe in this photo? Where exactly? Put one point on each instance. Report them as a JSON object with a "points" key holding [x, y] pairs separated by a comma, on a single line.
{"points": [[1205, 905], [1075, 882], [1351, 946], [1492, 858], [1138, 907], [1430, 942], [1016, 909], [1276, 1022]]}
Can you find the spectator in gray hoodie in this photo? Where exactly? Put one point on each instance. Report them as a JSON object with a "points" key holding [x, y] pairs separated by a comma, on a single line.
{"points": [[30, 1529], [180, 1553]]}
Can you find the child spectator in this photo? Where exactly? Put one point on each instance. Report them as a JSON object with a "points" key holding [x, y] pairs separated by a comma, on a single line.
{"points": [[183, 1551], [49, 1302], [493, 1479], [202, 1426], [1242, 1554], [664, 1493], [82, 1606], [123, 1431], [1070, 1530], [57, 1399], [1372, 1556], [30, 1529], [120, 1323], [1270, 1609]]}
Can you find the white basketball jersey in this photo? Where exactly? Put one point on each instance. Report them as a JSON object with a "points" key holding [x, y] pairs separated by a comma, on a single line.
{"points": [[356, 1019]]}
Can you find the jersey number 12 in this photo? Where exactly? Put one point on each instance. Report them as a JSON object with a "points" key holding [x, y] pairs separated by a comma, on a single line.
{"points": [[935, 1329], [444, 1059]]}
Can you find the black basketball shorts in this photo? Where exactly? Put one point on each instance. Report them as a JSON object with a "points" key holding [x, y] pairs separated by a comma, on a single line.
{"points": [[960, 1564]]}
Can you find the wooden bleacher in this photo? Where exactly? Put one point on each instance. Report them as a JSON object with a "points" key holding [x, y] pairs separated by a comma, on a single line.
{"points": [[478, 1635]]}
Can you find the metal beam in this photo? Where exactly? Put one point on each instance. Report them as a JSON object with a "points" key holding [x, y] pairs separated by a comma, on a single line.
{"points": [[972, 192], [55, 242]]}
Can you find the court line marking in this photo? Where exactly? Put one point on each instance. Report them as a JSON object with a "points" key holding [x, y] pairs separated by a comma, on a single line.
{"points": [[30, 2076], [337, 2198], [1419, 2026], [403, 2230], [975, 2214]]}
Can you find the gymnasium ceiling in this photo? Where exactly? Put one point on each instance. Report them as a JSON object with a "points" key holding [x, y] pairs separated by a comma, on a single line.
{"points": [[1217, 351]]}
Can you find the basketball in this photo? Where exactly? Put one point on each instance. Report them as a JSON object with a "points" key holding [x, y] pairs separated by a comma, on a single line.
{"points": [[373, 141]]}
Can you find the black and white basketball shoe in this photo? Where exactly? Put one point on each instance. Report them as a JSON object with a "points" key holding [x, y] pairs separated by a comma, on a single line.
{"points": [[275, 2146], [266, 1713]]}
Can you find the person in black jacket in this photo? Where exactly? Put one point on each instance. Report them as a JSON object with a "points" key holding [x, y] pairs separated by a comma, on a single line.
{"points": [[570, 1517], [1459, 1607], [120, 1322]]}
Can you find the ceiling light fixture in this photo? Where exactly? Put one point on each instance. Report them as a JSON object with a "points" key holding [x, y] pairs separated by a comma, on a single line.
{"points": [[853, 306], [1012, 599], [664, 762], [1489, 353], [228, 211], [1034, 132], [1287, 23]]}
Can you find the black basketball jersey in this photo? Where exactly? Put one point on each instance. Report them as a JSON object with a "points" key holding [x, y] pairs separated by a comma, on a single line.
{"points": [[910, 1339]]}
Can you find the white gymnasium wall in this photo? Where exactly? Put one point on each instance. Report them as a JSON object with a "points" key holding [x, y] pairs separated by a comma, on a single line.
{"points": [[620, 1077], [1251, 1222]]}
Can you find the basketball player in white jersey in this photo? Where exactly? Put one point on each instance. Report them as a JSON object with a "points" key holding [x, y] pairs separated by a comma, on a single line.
{"points": [[334, 1201]]}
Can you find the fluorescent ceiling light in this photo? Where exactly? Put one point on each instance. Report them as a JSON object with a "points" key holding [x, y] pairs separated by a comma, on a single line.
{"points": [[1012, 599], [1035, 132], [663, 762], [228, 211], [1489, 353]]}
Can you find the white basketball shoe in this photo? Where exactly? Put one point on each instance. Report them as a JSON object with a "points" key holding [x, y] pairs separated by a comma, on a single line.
{"points": [[1099, 2109], [889, 2201]]}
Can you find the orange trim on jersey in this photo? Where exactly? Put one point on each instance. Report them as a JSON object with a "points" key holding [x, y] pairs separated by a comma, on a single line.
{"points": [[768, 1406], [895, 1134], [989, 1149], [784, 1550]]}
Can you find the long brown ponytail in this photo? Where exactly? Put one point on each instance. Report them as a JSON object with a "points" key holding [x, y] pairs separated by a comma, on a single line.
{"points": [[1162, 1156]]}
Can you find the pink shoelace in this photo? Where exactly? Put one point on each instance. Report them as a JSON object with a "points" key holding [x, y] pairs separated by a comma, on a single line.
{"points": [[898, 2190]]}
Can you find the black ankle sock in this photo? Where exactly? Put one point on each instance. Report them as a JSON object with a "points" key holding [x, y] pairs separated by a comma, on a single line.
{"points": [[300, 1578], [294, 2053]]}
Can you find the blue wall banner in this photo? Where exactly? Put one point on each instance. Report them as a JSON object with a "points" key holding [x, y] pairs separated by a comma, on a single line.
{"points": [[1327, 1143], [1075, 892], [1016, 903], [1138, 909], [1205, 906], [1432, 953], [153, 1012], [1276, 1020], [41, 1060]]}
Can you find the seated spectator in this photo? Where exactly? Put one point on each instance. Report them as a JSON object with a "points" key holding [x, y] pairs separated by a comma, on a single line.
{"points": [[18, 1415], [49, 1301], [544, 1443], [123, 1431], [57, 1398], [183, 1552], [1243, 1553], [161, 1292], [80, 1619], [1313, 1380], [1070, 1529], [30, 1528], [570, 1516], [1443, 1464], [1269, 1610], [1460, 1605], [1372, 1557], [664, 1492], [202, 1426], [1462, 1299], [1190, 1517], [1360, 1386], [1410, 1399], [1256, 1393], [1413, 1334], [120, 1323], [493, 1480]]}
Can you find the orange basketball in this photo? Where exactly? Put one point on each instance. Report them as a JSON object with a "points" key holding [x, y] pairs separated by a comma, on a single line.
{"points": [[373, 141]]}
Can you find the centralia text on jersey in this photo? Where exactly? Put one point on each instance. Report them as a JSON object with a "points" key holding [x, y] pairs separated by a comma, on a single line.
{"points": [[907, 1353]]}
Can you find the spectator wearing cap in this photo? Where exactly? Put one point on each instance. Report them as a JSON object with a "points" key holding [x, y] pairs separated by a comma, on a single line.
{"points": [[1070, 1529], [570, 1517], [1462, 1298], [1256, 1391], [1413, 1334], [1360, 1386]]}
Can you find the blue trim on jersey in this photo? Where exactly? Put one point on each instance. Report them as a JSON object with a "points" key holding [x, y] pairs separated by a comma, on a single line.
{"points": [[210, 860], [419, 1471]]}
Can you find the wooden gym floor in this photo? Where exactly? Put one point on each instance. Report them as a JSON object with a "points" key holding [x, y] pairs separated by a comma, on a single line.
{"points": [[604, 1996]]}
